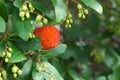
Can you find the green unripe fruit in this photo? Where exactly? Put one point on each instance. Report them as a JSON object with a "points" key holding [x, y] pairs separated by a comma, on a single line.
{"points": [[66, 25], [69, 25], [79, 15], [19, 72], [39, 69], [14, 75], [24, 8], [1, 78], [6, 60], [30, 35], [23, 18], [67, 21], [14, 69], [10, 49], [27, 15], [38, 18], [79, 6], [8, 54], [3, 54], [33, 36], [41, 24], [32, 10], [30, 6], [4, 74], [71, 21], [45, 21], [83, 16], [51, 78], [69, 15], [21, 14], [43, 65], [86, 11]]}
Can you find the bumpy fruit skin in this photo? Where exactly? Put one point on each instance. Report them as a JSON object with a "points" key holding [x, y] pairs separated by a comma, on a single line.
{"points": [[50, 36]]}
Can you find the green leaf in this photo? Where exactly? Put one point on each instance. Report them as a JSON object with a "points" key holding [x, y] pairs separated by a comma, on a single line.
{"points": [[94, 5], [101, 78], [23, 28], [40, 6], [37, 75], [26, 70], [60, 9], [86, 72], [57, 51], [17, 55], [18, 3], [116, 74], [2, 25], [53, 71], [3, 11], [21, 44], [44, 76], [74, 75]]}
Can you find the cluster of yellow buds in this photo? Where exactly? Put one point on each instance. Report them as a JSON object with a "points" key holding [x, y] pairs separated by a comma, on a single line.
{"points": [[6, 53], [41, 20], [82, 11], [98, 55], [68, 20], [31, 35], [42, 67], [51, 77], [3, 75], [16, 71], [25, 10]]}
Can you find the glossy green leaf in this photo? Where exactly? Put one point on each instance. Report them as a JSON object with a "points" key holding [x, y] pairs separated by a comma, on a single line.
{"points": [[74, 75], [18, 3], [44, 76], [86, 72], [17, 55], [2, 25], [116, 74], [26, 70], [23, 45], [3, 11], [37, 75], [22, 28], [94, 5], [60, 9], [53, 71], [57, 51], [44, 9], [101, 78]]}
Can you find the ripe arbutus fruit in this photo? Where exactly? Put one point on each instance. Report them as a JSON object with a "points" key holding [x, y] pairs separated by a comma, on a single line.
{"points": [[50, 36]]}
